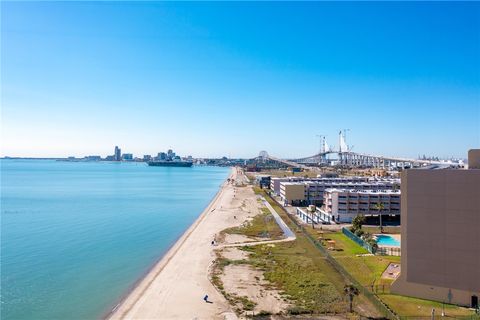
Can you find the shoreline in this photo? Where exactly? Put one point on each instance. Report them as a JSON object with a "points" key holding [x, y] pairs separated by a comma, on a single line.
{"points": [[140, 289], [107, 314]]}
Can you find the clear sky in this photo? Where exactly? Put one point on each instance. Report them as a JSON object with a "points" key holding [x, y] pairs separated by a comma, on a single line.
{"points": [[215, 79]]}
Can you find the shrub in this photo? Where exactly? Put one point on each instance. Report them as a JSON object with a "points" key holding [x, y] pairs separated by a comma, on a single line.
{"points": [[372, 242], [359, 232], [366, 236], [297, 311]]}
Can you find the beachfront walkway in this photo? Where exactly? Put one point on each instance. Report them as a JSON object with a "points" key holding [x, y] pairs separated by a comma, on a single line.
{"points": [[289, 234]]}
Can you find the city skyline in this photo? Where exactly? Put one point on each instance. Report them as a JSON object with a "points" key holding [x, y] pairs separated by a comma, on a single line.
{"points": [[231, 79]]}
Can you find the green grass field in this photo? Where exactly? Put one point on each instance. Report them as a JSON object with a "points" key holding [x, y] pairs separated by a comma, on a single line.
{"points": [[368, 271], [303, 250]]}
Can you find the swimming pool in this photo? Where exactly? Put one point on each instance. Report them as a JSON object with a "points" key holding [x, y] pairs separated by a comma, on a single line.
{"points": [[385, 240]]}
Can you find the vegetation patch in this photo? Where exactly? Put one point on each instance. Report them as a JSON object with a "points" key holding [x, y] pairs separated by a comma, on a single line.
{"points": [[302, 252], [302, 279], [416, 308], [239, 303], [368, 271], [262, 225]]}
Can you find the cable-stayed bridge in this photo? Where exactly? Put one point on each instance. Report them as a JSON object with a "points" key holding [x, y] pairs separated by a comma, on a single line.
{"points": [[346, 157]]}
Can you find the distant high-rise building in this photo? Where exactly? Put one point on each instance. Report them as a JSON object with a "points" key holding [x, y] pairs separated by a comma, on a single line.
{"points": [[147, 157], [93, 158], [118, 154], [127, 157]]}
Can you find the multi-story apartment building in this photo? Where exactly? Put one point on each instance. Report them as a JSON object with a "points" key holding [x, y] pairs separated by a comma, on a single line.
{"points": [[342, 205], [312, 192], [441, 234], [275, 182], [292, 192]]}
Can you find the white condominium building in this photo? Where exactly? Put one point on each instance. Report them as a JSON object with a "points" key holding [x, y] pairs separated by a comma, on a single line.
{"points": [[342, 205], [312, 192], [275, 182]]}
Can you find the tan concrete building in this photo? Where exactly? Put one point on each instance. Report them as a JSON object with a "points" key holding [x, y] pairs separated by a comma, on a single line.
{"points": [[441, 235], [291, 191]]}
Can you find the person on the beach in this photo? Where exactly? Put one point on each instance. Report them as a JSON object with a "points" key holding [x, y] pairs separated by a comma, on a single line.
{"points": [[213, 242], [205, 298]]}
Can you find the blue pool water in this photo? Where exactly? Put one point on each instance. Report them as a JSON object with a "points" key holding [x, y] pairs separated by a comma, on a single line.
{"points": [[385, 240], [75, 236]]}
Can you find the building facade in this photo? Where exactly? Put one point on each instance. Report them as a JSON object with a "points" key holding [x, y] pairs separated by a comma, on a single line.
{"points": [[263, 181], [292, 192], [275, 183], [127, 157], [441, 234], [117, 156], [342, 205], [313, 190]]}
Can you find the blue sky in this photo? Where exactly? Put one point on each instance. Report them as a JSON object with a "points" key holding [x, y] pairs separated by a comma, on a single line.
{"points": [[214, 79]]}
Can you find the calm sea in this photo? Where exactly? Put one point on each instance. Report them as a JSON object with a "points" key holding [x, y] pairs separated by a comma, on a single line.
{"points": [[75, 236]]}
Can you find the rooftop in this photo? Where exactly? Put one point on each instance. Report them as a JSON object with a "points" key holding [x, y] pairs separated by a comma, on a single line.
{"points": [[380, 192]]}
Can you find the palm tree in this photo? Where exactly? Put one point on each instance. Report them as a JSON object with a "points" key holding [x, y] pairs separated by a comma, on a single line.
{"points": [[351, 291], [379, 206], [358, 222], [311, 216]]}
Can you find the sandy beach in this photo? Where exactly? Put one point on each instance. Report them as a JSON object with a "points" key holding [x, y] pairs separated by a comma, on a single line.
{"points": [[175, 287]]}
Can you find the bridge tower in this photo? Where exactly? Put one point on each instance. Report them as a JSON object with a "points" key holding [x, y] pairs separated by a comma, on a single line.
{"points": [[343, 147], [323, 149]]}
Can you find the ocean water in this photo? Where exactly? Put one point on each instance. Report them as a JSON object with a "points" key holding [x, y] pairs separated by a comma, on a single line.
{"points": [[76, 236]]}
